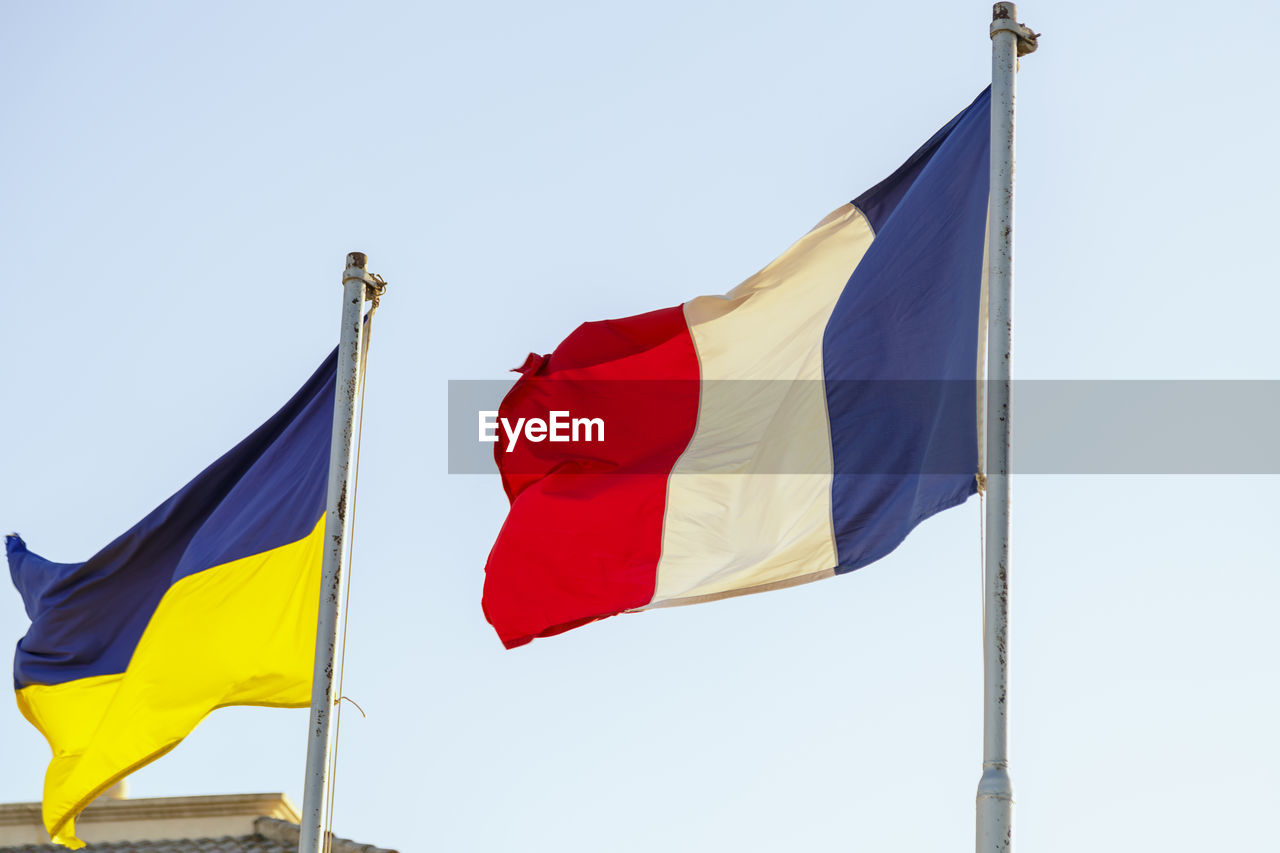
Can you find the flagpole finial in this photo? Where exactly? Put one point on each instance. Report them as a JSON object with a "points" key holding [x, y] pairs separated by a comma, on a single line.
{"points": [[1004, 18], [359, 260]]}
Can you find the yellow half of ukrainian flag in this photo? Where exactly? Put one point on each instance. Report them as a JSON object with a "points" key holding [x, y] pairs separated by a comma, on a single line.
{"points": [[209, 601]]}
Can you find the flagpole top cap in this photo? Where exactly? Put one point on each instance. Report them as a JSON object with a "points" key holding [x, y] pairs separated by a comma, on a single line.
{"points": [[359, 260], [1004, 18]]}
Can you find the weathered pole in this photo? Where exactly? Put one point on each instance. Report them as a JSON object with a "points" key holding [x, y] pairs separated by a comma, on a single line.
{"points": [[1009, 39], [334, 568]]}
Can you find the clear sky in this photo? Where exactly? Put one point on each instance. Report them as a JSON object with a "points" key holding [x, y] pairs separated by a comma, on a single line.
{"points": [[181, 183]]}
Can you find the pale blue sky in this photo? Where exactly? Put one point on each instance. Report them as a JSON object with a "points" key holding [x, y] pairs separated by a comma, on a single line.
{"points": [[183, 182]]}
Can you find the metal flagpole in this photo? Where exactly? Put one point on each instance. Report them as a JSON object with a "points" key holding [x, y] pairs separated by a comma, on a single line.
{"points": [[334, 569], [1009, 39]]}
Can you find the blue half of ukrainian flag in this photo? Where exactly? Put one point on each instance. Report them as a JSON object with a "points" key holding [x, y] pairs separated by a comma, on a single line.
{"points": [[209, 601]]}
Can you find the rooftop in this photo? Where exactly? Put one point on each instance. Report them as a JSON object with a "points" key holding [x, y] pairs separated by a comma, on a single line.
{"points": [[230, 823]]}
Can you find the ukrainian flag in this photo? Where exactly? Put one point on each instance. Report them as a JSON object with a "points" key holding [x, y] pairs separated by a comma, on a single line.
{"points": [[209, 601]]}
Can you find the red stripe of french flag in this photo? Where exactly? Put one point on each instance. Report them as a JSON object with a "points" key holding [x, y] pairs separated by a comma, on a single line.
{"points": [[585, 530]]}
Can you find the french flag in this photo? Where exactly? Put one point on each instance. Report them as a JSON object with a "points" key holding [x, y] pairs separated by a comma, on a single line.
{"points": [[797, 427]]}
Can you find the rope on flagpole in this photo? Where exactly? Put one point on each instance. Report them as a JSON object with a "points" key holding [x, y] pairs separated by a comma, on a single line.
{"points": [[982, 557]]}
